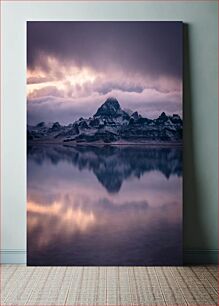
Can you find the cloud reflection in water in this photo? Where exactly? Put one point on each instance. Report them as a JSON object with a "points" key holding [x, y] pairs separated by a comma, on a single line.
{"points": [[75, 214]]}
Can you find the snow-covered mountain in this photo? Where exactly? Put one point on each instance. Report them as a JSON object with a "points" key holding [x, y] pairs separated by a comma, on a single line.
{"points": [[111, 124]]}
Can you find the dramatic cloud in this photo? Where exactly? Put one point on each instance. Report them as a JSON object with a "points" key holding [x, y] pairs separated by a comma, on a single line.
{"points": [[138, 46], [72, 67]]}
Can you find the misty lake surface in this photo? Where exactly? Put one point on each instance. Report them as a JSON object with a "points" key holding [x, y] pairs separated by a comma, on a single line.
{"points": [[104, 205]]}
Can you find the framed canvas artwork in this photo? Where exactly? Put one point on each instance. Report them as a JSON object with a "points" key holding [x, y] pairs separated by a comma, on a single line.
{"points": [[104, 143]]}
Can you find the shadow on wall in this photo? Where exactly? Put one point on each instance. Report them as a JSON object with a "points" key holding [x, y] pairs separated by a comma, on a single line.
{"points": [[193, 231]]}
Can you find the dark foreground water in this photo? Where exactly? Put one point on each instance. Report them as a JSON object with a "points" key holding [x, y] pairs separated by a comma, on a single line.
{"points": [[104, 205]]}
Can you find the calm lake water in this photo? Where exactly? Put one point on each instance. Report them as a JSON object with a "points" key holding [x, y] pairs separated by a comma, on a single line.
{"points": [[112, 205]]}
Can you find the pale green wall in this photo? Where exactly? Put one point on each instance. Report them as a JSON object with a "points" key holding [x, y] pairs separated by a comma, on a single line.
{"points": [[200, 108]]}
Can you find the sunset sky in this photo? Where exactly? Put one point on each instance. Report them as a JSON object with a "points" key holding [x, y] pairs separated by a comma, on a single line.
{"points": [[73, 67]]}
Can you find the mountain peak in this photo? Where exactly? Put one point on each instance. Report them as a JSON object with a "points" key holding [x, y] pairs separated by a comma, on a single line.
{"points": [[41, 124], [163, 115], [112, 101], [109, 108]]}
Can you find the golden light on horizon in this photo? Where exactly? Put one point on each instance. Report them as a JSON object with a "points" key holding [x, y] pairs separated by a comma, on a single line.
{"points": [[61, 78]]}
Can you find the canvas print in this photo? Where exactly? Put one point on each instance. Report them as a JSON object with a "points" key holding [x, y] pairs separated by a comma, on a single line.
{"points": [[104, 143]]}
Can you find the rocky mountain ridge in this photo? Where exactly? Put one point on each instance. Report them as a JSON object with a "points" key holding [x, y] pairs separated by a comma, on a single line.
{"points": [[111, 124]]}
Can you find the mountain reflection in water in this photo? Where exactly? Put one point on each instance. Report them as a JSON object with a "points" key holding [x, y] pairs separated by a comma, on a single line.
{"points": [[113, 164], [112, 205]]}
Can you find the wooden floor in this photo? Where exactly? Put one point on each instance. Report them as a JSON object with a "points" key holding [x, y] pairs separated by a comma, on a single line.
{"points": [[21, 285]]}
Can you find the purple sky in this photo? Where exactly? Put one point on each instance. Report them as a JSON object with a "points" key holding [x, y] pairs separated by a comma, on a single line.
{"points": [[72, 67]]}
